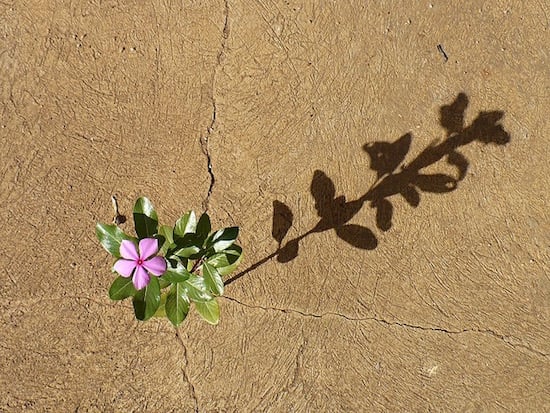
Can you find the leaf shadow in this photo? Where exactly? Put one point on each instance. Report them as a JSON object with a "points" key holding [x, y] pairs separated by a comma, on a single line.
{"points": [[410, 181]]}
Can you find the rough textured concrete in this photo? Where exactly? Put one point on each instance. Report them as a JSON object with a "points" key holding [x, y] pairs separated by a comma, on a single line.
{"points": [[423, 289]]}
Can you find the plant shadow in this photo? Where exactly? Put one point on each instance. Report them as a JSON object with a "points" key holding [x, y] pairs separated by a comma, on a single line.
{"points": [[394, 177]]}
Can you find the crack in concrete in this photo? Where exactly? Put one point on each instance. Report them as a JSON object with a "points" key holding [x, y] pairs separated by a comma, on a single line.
{"points": [[204, 140], [186, 377], [511, 341]]}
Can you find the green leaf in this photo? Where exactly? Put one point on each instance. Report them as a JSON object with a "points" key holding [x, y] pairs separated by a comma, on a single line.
{"points": [[161, 311], [196, 289], [203, 229], [185, 225], [165, 232], [177, 304], [122, 288], [147, 300], [110, 237], [187, 252], [186, 246], [226, 261], [223, 238], [212, 279], [145, 218], [176, 275], [209, 311], [163, 283]]}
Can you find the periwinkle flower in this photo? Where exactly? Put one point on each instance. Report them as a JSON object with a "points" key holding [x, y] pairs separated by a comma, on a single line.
{"points": [[140, 263]]}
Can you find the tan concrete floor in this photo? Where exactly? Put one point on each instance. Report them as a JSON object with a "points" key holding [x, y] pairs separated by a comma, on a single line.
{"points": [[441, 305]]}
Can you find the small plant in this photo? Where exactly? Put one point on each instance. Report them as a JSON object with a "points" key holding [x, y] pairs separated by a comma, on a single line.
{"points": [[165, 269]]}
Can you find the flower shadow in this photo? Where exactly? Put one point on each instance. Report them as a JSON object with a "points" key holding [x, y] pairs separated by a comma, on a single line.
{"points": [[394, 177]]}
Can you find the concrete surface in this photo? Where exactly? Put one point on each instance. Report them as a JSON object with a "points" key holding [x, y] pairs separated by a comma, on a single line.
{"points": [[438, 302]]}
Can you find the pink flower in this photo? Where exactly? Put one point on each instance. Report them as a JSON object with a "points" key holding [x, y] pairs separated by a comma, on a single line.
{"points": [[140, 263]]}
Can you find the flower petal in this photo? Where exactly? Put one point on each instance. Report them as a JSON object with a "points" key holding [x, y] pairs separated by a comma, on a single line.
{"points": [[128, 250], [141, 278], [148, 247], [124, 267], [155, 265]]}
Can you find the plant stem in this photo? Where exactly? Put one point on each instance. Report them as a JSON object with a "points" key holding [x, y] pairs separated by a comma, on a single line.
{"points": [[197, 264]]}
